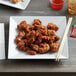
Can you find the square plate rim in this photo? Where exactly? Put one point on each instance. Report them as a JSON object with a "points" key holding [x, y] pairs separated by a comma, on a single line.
{"points": [[22, 8], [3, 58]]}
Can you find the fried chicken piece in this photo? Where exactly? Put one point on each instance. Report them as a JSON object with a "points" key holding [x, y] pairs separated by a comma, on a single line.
{"points": [[24, 26], [31, 52], [31, 40], [54, 46], [30, 37], [17, 39], [21, 26], [30, 34], [37, 22], [26, 42], [44, 47], [45, 38], [27, 48], [52, 38], [28, 28], [52, 26], [57, 38], [41, 29], [48, 39], [38, 39], [20, 36], [21, 45], [37, 33], [37, 27], [34, 47], [51, 32]]}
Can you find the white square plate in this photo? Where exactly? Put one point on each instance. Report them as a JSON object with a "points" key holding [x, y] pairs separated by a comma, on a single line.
{"points": [[2, 42], [20, 5], [14, 53]]}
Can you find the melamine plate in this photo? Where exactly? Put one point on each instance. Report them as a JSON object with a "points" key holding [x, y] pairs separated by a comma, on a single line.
{"points": [[2, 42], [14, 53], [20, 5]]}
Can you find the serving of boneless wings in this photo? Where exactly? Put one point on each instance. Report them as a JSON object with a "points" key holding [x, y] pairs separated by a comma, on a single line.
{"points": [[37, 38]]}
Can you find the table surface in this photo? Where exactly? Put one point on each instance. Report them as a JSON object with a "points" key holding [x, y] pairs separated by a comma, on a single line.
{"points": [[37, 8]]}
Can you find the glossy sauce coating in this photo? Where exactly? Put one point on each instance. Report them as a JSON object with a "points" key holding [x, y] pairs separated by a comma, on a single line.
{"points": [[37, 38]]}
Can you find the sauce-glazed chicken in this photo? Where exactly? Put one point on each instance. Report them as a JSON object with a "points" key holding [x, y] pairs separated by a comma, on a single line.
{"points": [[37, 38]]}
